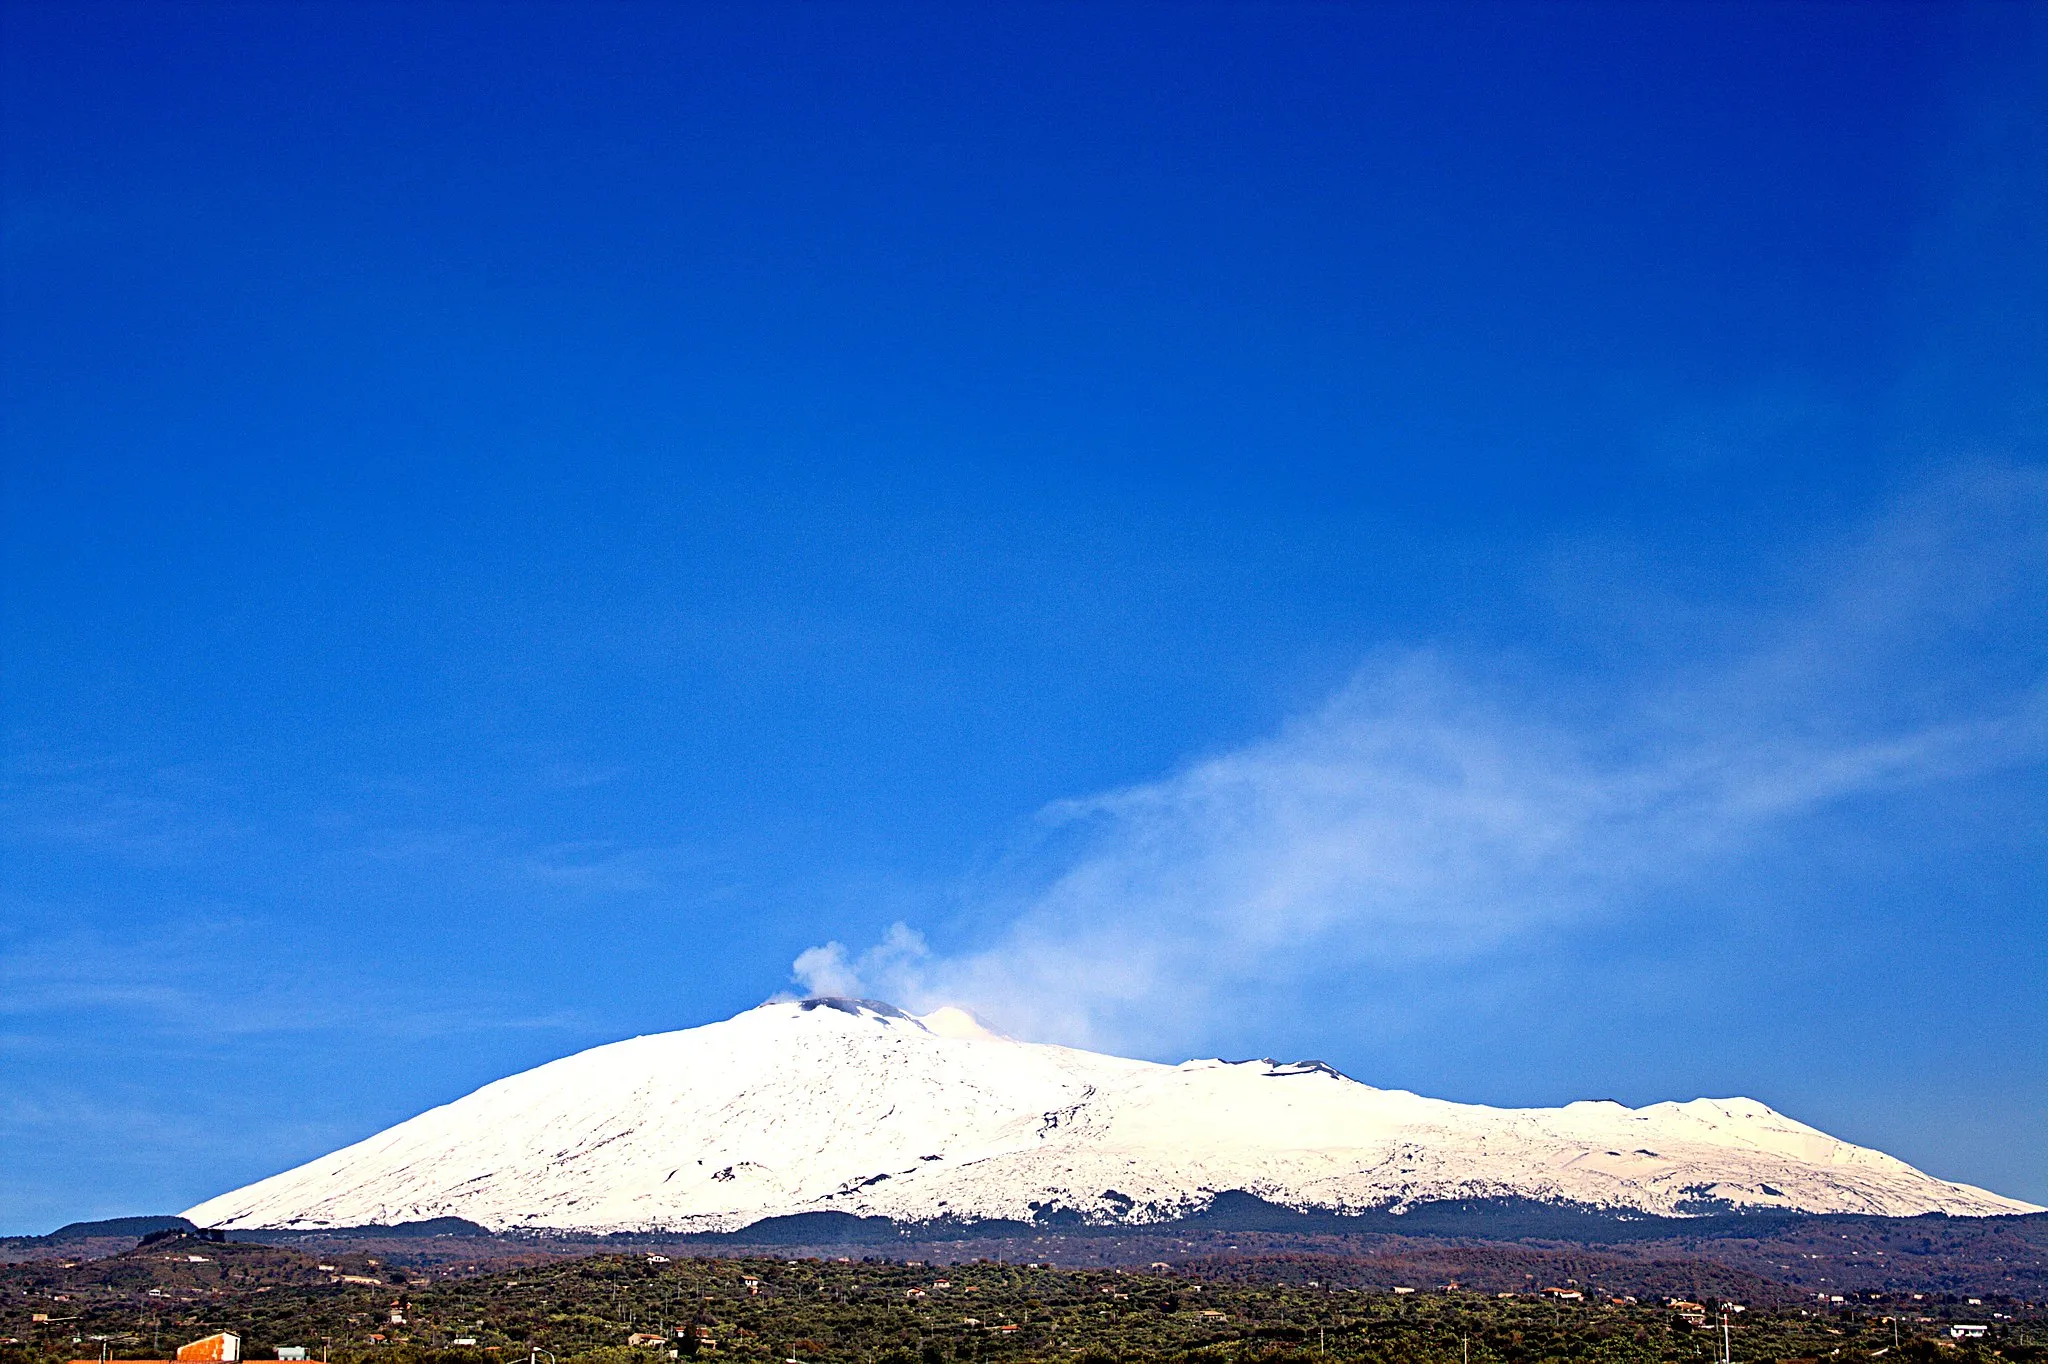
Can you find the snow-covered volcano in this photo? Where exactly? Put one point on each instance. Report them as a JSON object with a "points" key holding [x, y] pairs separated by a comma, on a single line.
{"points": [[854, 1106]]}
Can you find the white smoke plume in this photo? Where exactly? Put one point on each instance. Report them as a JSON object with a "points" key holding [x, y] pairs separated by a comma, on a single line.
{"points": [[1424, 814]]}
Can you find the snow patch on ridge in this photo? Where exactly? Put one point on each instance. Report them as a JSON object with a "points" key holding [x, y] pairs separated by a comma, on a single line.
{"points": [[952, 1021]]}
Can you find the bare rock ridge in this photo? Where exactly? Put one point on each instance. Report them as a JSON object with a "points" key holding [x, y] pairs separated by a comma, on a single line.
{"points": [[854, 1106]]}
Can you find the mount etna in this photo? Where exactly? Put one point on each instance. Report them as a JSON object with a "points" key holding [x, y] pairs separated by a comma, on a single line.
{"points": [[854, 1107]]}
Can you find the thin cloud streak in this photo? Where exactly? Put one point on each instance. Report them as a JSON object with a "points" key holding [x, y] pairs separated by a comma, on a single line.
{"points": [[1424, 815], [170, 989]]}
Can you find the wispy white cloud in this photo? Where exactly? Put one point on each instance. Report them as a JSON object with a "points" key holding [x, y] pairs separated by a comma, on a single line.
{"points": [[1428, 813], [168, 985], [153, 816]]}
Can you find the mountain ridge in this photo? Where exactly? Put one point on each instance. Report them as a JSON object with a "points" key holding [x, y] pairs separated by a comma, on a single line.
{"points": [[858, 1107]]}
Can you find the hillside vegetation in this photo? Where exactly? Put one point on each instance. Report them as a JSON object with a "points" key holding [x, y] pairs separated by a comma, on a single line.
{"points": [[363, 1309]]}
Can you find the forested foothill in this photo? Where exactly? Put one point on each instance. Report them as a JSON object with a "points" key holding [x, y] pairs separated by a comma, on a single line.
{"points": [[393, 1297]]}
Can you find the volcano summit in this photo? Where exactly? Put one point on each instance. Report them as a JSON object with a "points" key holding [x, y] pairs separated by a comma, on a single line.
{"points": [[836, 1105]]}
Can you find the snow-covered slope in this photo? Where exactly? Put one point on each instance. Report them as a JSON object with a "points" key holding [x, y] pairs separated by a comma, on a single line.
{"points": [[857, 1107]]}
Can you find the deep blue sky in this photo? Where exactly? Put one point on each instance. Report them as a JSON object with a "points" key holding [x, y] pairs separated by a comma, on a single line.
{"points": [[520, 520]]}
